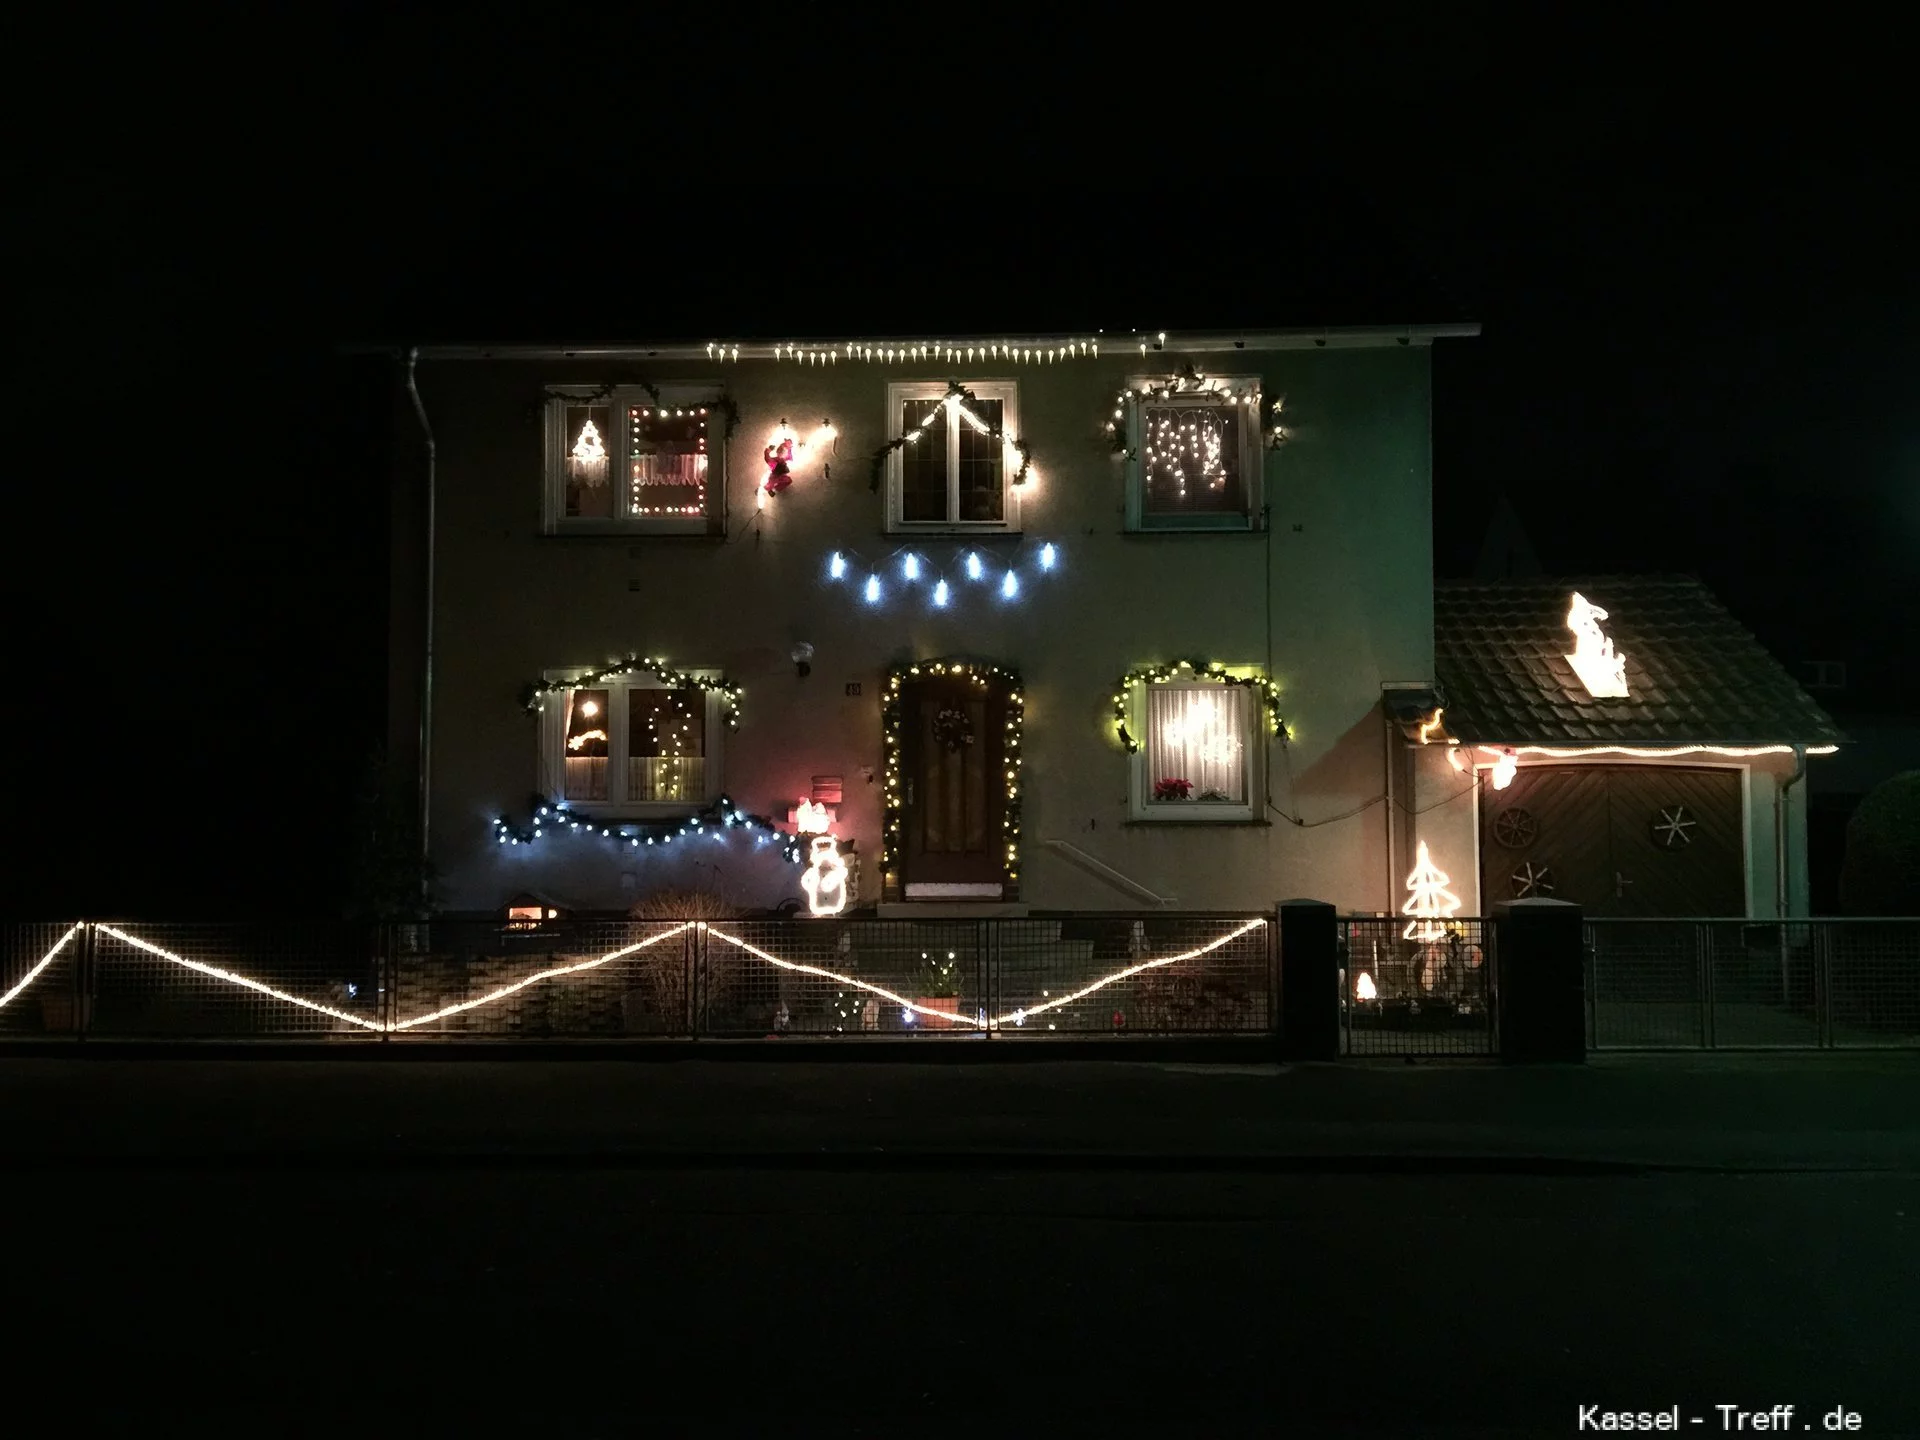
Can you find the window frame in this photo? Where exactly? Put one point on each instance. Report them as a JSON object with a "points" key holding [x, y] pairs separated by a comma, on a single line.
{"points": [[1007, 392], [1143, 807], [1252, 458], [555, 520], [553, 743]]}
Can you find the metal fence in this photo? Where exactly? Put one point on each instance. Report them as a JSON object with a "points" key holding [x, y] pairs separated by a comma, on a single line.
{"points": [[1753, 984], [1079, 975], [1412, 987]]}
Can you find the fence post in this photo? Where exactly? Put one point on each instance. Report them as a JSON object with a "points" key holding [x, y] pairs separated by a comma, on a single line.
{"points": [[1541, 979], [1309, 981], [83, 984]]}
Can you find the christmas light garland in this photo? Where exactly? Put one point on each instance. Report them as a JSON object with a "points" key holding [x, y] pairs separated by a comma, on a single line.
{"points": [[554, 818], [1212, 670], [918, 561], [981, 1022], [957, 396], [939, 351], [533, 695], [603, 394], [981, 674]]}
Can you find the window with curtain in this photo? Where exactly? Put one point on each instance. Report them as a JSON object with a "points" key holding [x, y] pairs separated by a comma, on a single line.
{"points": [[632, 743], [586, 744], [1198, 752], [666, 744]]}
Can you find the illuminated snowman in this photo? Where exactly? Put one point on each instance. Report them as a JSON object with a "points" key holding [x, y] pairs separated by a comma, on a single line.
{"points": [[825, 880]]}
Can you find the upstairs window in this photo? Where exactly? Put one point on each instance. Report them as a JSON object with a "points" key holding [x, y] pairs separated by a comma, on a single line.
{"points": [[635, 462], [954, 472], [1194, 456]]}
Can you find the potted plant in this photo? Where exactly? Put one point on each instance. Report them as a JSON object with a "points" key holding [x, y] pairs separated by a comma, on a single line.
{"points": [[1173, 789], [939, 989]]}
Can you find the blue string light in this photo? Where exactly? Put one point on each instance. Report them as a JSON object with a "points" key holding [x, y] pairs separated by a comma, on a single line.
{"points": [[722, 815]]}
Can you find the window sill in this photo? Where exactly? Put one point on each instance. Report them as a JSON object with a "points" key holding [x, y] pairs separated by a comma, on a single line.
{"points": [[985, 534], [1169, 823], [1170, 532], [631, 535]]}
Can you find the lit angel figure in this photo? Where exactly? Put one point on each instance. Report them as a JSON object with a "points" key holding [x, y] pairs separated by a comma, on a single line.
{"points": [[825, 879], [1602, 671]]}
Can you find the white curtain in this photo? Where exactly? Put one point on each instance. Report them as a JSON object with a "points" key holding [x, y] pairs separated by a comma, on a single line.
{"points": [[1198, 733]]}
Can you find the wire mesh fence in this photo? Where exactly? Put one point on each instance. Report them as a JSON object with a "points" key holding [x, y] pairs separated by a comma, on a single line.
{"points": [[1416, 987], [582, 978], [1745, 984], [40, 979]]}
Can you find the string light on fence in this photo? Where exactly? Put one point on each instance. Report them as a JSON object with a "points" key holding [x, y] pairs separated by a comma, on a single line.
{"points": [[909, 1008], [41, 964]]}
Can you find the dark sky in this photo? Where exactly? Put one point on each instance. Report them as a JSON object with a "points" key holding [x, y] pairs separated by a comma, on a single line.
{"points": [[1697, 356]]}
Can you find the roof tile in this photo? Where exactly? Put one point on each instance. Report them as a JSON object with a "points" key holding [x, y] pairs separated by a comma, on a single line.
{"points": [[1695, 675]]}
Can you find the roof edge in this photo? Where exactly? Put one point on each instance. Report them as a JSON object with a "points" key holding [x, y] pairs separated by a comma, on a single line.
{"points": [[1054, 346]]}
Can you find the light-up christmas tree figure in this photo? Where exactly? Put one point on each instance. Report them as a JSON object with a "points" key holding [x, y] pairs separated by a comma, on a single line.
{"points": [[588, 458], [1432, 902]]}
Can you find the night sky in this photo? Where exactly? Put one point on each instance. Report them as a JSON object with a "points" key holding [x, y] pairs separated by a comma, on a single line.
{"points": [[1697, 355]]}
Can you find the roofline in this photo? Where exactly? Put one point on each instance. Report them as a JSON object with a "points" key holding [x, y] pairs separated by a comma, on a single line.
{"points": [[1649, 752], [1348, 337]]}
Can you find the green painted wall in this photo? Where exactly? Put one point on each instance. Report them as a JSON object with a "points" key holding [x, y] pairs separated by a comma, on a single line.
{"points": [[1336, 596]]}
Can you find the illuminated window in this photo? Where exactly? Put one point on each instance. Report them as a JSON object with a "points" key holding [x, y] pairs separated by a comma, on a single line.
{"points": [[954, 472], [1194, 457], [632, 745], [666, 745], [1200, 752], [633, 461]]}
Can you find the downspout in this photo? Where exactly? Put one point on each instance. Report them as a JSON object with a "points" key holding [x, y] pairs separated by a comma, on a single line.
{"points": [[426, 667], [1781, 829]]}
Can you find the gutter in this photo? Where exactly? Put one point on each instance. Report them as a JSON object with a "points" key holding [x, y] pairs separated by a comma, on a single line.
{"points": [[1119, 346], [1780, 828], [426, 667]]}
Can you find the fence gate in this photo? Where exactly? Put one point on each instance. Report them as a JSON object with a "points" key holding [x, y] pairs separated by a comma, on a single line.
{"points": [[1413, 987]]}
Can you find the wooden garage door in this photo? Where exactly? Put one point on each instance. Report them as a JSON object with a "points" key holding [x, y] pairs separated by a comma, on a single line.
{"points": [[1617, 839]]}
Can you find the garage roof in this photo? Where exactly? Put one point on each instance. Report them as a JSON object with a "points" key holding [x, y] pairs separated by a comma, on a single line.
{"points": [[1695, 675]]}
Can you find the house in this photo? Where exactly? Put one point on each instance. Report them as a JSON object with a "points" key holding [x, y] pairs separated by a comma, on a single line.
{"points": [[1029, 622]]}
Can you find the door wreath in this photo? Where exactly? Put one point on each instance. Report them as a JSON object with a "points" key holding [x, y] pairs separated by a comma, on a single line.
{"points": [[953, 728]]}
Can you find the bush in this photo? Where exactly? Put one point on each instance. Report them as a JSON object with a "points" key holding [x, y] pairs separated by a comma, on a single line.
{"points": [[1881, 874]]}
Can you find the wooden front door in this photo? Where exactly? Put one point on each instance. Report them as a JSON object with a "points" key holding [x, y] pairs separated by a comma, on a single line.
{"points": [[953, 788], [1626, 840]]}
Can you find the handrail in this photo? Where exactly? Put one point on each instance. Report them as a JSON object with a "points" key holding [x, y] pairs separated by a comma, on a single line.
{"points": [[1100, 870]]}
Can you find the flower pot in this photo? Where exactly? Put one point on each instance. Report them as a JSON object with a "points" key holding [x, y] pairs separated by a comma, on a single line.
{"points": [[948, 1003]]}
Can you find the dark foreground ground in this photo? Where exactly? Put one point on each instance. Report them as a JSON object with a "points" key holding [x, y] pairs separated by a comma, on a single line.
{"points": [[608, 1249]]}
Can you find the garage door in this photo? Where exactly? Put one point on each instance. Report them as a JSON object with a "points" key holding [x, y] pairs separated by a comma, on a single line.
{"points": [[1617, 839]]}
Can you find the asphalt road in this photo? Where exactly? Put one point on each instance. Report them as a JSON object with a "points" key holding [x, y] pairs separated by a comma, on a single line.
{"points": [[183, 1244]]}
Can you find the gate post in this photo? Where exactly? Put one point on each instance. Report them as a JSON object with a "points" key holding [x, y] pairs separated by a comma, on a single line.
{"points": [[1309, 981], [1540, 982]]}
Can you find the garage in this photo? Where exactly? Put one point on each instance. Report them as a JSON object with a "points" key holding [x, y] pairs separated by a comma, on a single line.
{"points": [[1624, 840], [1620, 742]]}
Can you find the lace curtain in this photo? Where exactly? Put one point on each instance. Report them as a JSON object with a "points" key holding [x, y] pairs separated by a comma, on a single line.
{"points": [[1197, 733]]}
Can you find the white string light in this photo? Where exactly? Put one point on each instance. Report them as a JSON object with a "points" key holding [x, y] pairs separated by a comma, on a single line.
{"points": [[241, 980], [506, 990], [1044, 351], [44, 961], [940, 593], [1738, 752], [1016, 1017]]}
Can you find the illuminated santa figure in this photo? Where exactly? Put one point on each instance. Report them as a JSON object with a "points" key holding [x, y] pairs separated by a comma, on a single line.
{"points": [[825, 879]]}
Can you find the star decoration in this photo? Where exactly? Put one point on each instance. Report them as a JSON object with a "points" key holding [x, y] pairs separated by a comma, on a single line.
{"points": [[1671, 828], [1531, 882]]}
